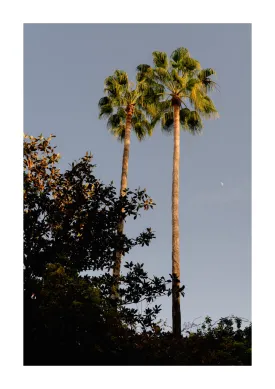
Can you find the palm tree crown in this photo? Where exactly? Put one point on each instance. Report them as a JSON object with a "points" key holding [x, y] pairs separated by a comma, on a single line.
{"points": [[179, 81], [122, 99]]}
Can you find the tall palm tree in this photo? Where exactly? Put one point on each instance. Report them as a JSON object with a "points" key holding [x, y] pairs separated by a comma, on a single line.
{"points": [[124, 107], [184, 89]]}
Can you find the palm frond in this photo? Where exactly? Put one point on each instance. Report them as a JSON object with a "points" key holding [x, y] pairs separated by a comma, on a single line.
{"points": [[192, 64], [179, 55], [151, 95], [184, 116], [121, 113], [162, 75], [204, 73], [105, 107], [192, 83], [151, 110], [116, 84], [182, 61], [180, 81], [116, 125], [103, 101], [165, 105], [204, 76], [196, 94], [160, 59], [167, 121], [112, 87], [140, 128], [121, 77], [143, 67], [139, 131], [141, 125], [190, 121], [138, 116], [194, 123], [207, 108], [114, 121], [157, 110], [144, 72]]}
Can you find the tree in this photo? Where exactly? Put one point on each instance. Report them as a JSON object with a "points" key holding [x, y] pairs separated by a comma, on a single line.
{"points": [[72, 216], [184, 89], [124, 106], [223, 343], [70, 227]]}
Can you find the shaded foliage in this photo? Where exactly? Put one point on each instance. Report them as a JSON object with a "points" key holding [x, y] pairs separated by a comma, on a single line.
{"points": [[71, 218], [70, 226]]}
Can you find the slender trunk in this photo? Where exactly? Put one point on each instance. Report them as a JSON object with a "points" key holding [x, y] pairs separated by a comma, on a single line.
{"points": [[176, 314], [123, 183]]}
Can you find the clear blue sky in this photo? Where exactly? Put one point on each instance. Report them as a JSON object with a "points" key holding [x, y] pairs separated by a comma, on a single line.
{"points": [[64, 71]]}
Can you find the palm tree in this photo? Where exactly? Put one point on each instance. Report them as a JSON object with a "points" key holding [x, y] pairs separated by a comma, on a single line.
{"points": [[183, 87], [124, 106]]}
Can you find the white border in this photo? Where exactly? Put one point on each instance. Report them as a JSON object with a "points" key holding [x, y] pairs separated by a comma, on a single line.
{"points": [[13, 14]]}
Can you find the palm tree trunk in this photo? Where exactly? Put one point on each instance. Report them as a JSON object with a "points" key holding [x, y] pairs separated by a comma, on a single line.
{"points": [[123, 183], [176, 314]]}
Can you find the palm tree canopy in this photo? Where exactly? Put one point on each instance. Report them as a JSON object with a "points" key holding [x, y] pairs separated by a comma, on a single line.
{"points": [[121, 95], [179, 80]]}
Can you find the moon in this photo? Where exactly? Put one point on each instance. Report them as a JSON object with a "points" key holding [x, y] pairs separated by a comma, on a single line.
{"points": [[222, 184]]}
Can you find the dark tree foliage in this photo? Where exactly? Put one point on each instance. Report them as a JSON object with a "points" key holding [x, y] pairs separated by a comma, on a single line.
{"points": [[75, 318], [70, 226]]}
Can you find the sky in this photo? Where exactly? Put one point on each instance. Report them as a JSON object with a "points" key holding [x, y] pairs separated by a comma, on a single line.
{"points": [[64, 70]]}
